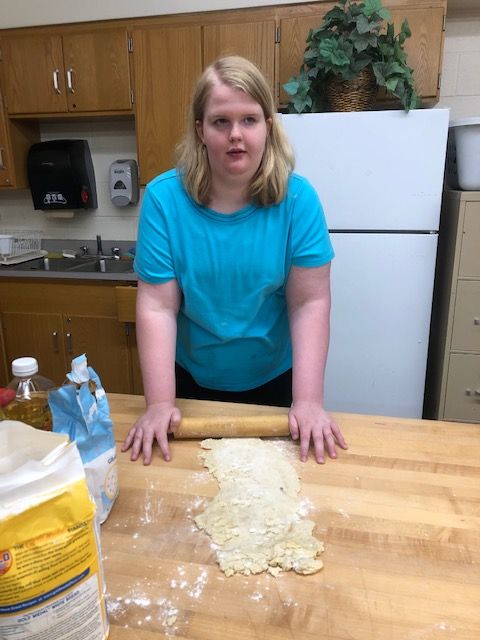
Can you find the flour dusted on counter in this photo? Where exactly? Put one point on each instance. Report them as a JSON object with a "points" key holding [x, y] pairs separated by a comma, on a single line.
{"points": [[51, 580], [80, 409], [255, 518]]}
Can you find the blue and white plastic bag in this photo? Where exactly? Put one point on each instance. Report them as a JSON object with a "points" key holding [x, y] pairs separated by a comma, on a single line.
{"points": [[80, 410]]}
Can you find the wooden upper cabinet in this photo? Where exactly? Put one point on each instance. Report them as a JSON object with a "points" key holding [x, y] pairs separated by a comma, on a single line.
{"points": [[293, 40], [34, 74], [16, 137], [167, 62], [82, 72], [253, 40], [5, 154], [424, 47], [97, 71]]}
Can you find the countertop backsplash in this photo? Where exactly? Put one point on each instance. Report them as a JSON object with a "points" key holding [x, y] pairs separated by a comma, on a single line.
{"points": [[109, 140]]}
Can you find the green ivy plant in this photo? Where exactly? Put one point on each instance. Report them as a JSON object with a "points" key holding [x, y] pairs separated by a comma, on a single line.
{"points": [[353, 36]]}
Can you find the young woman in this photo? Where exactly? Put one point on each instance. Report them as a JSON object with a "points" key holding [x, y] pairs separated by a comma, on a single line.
{"points": [[233, 260]]}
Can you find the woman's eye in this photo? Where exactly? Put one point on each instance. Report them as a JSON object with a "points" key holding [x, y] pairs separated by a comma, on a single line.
{"points": [[249, 120], [220, 122]]}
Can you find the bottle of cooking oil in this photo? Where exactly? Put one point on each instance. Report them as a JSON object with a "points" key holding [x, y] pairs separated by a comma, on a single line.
{"points": [[30, 404]]}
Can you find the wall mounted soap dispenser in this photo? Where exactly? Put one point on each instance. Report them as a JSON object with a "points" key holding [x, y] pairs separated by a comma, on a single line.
{"points": [[124, 182]]}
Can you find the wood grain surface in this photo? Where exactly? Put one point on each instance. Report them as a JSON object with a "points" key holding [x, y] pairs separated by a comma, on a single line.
{"points": [[399, 513]]}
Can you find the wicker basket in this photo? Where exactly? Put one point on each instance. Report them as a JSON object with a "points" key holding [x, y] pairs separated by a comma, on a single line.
{"points": [[352, 95]]}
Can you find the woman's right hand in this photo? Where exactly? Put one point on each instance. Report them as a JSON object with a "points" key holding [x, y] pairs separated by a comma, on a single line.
{"points": [[158, 420]]}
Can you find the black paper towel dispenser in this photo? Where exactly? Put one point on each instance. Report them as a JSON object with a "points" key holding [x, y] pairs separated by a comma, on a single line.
{"points": [[61, 176]]}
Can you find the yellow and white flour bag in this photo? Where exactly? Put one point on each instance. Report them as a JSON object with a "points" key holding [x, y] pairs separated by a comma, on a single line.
{"points": [[51, 579]]}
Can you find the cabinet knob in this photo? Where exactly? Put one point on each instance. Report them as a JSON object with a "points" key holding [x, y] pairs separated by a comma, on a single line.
{"points": [[477, 393], [476, 321]]}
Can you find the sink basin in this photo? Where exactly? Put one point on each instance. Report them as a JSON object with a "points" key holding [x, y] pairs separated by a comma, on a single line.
{"points": [[82, 265], [106, 265]]}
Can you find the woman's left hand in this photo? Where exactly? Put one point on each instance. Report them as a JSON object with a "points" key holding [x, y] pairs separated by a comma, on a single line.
{"points": [[310, 421]]}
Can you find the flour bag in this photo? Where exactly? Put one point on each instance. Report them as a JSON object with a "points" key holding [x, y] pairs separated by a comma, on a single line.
{"points": [[51, 578], [80, 410]]}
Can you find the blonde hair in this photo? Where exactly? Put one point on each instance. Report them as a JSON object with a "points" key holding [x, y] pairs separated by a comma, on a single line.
{"points": [[269, 184]]}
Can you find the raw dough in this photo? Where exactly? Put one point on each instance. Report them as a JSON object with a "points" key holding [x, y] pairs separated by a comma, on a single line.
{"points": [[254, 519]]}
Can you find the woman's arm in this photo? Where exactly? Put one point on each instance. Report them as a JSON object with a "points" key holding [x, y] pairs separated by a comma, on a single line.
{"points": [[308, 300], [156, 324]]}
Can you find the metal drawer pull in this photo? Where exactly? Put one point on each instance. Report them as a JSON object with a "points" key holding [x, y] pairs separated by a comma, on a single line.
{"points": [[55, 81], [70, 80], [477, 392], [69, 343], [55, 341], [476, 321]]}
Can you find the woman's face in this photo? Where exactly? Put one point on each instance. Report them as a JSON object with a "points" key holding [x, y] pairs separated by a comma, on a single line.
{"points": [[234, 132]]}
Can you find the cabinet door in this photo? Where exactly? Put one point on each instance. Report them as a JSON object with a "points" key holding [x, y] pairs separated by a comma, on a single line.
{"points": [[137, 381], [462, 397], [34, 74], [167, 63], [469, 265], [16, 138], [253, 40], [38, 335], [97, 71], [293, 37], [104, 341], [5, 153], [424, 48]]}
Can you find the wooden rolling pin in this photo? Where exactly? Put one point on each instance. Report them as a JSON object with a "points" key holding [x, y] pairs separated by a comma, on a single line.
{"points": [[233, 426]]}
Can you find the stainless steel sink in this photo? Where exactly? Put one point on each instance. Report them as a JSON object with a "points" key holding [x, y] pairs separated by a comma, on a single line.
{"points": [[86, 264], [106, 265]]}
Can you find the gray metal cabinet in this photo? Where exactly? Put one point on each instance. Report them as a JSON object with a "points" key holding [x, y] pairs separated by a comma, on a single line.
{"points": [[453, 388]]}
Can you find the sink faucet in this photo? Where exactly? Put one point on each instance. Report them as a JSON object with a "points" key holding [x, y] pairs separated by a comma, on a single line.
{"points": [[99, 246]]}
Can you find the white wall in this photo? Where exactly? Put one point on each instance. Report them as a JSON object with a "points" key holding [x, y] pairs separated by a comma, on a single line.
{"points": [[108, 141], [460, 88], [24, 13]]}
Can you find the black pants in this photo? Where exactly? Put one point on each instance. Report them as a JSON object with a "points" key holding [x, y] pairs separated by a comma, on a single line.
{"points": [[277, 392]]}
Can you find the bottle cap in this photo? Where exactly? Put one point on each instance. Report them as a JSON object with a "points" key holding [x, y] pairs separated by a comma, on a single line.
{"points": [[22, 367]]}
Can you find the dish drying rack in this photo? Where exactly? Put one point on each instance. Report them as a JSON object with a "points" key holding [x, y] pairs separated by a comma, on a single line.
{"points": [[19, 246]]}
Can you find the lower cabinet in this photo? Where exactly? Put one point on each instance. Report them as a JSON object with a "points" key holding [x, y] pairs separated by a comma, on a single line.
{"points": [[453, 379], [126, 300], [55, 322]]}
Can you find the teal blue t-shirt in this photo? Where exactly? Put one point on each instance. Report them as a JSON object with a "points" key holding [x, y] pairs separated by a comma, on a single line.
{"points": [[232, 269]]}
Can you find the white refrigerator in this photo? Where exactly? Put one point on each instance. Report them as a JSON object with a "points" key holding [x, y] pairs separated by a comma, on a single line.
{"points": [[379, 175]]}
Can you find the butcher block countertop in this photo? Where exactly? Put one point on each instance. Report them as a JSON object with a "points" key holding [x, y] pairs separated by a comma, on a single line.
{"points": [[399, 514]]}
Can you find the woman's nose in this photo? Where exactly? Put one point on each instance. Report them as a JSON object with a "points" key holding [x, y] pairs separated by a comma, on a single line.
{"points": [[235, 131]]}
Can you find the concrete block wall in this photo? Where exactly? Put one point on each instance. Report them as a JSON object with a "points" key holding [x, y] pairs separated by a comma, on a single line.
{"points": [[460, 87], [108, 140]]}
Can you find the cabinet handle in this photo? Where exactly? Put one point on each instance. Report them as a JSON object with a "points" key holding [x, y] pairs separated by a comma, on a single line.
{"points": [[477, 392], [56, 348], [69, 343], [2, 163], [70, 80], [55, 81], [476, 321]]}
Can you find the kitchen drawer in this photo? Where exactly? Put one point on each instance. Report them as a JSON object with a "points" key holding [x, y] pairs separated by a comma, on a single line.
{"points": [[470, 252], [466, 323], [462, 398]]}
